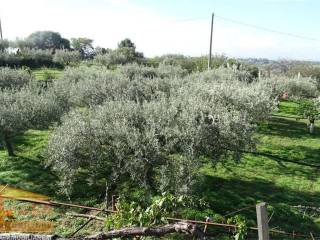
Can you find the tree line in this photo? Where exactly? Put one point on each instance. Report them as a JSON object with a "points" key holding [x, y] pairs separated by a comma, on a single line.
{"points": [[50, 49]]}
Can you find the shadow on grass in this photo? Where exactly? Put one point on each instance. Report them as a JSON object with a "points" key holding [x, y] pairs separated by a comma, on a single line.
{"points": [[227, 195], [27, 170], [28, 174], [289, 139], [284, 127], [298, 153]]}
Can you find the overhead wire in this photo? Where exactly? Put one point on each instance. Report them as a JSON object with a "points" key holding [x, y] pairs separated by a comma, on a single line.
{"points": [[250, 25], [268, 29]]}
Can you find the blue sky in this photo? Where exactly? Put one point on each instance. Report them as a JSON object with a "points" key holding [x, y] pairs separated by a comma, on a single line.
{"points": [[297, 16], [160, 26]]}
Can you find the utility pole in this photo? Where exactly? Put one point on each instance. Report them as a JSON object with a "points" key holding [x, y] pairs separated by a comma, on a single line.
{"points": [[210, 50], [1, 30]]}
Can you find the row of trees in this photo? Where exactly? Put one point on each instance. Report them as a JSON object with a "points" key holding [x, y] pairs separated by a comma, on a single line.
{"points": [[49, 49], [147, 124], [153, 125], [48, 40]]}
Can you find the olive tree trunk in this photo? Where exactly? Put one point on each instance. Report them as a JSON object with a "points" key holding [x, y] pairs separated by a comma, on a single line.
{"points": [[8, 143], [311, 126]]}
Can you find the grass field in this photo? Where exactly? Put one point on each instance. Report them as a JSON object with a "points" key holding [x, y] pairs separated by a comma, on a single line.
{"points": [[226, 187], [233, 186], [46, 73]]}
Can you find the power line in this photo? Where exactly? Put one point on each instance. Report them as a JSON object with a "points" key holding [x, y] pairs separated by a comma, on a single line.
{"points": [[191, 19], [268, 29], [252, 26]]}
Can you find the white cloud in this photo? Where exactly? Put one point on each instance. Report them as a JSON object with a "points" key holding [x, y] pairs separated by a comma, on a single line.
{"points": [[109, 21]]}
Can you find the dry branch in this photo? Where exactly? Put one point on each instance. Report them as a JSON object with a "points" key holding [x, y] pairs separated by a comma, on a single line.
{"points": [[86, 216], [57, 204], [179, 227], [25, 236]]}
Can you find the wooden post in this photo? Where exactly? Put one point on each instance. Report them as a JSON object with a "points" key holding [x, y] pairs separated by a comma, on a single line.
{"points": [[208, 219], [262, 220]]}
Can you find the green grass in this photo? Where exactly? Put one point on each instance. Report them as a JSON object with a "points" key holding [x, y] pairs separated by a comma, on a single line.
{"points": [[45, 73], [226, 187], [26, 170], [233, 185], [288, 109]]}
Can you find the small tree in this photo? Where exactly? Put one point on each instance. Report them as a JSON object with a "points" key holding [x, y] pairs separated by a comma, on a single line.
{"points": [[124, 54], [310, 109], [67, 58], [127, 48]]}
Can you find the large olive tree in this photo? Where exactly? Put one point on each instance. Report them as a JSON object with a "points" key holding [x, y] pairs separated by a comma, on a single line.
{"points": [[141, 123]]}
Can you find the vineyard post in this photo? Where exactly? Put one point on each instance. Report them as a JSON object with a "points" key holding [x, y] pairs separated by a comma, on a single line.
{"points": [[262, 220]]}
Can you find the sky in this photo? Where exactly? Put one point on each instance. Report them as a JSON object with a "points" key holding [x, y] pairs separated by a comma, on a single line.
{"points": [[160, 27]]}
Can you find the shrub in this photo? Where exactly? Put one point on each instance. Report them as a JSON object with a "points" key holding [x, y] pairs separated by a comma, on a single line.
{"points": [[13, 78], [29, 107], [162, 71], [294, 87], [28, 57], [4, 45], [111, 59], [66, 57]]}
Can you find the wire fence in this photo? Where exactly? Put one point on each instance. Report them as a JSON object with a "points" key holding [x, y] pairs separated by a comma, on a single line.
{"points": [[208, 223]]}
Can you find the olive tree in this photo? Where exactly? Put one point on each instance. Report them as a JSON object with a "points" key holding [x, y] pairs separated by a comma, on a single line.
{"points": [[21, 109], [13, 78], [310, 109], [135, 70], [66, 57], [141, 123], [89, 86], [124, 54], [295, 87]]}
